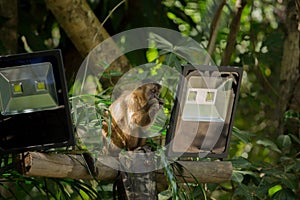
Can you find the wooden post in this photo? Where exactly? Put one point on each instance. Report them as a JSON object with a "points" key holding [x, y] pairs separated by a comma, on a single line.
{"points": [[138, 176]]}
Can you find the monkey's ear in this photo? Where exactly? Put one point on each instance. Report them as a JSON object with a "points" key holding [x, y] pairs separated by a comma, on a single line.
{"points": [[158, 85]]}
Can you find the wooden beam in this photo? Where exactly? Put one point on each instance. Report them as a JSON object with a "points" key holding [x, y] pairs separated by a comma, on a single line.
{"points": [[63, 166], [206, 172], [74, 166]]}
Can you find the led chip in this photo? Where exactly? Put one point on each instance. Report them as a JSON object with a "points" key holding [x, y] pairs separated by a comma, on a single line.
{"points": [[192, 96], [40, 85], [210, 96], [17, 88]]}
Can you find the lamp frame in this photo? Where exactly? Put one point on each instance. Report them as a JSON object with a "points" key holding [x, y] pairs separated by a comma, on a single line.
{"points": [[177, 109], [42, 129]]}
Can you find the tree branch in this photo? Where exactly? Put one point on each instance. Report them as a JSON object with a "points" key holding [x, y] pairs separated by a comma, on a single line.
{"points": [[214, 31], [234, 29]]}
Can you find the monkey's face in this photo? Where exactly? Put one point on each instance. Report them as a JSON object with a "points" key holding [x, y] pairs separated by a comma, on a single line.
{"points": [[152, 91]]}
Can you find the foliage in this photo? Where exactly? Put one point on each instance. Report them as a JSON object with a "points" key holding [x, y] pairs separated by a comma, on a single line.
{"points": [[268, 178], [16, 186]]}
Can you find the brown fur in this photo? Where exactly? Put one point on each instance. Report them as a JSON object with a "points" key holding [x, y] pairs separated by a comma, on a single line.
{"points": [[132, 113]]}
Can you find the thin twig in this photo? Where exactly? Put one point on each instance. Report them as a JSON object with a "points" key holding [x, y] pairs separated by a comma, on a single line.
{"points": [[214, 32], [111, 12], [108, 16]]}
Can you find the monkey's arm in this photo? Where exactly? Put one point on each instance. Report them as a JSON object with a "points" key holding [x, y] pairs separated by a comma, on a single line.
{"points": [[145, 115]]}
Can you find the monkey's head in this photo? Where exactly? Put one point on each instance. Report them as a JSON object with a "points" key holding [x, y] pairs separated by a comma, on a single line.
{"points": [[151, 90]]}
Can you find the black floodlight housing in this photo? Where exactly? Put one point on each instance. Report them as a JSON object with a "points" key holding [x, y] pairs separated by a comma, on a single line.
{"points": [[34, 106], [203, 114]]}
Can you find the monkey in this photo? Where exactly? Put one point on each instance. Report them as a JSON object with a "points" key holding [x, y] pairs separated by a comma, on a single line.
{"points": [[132, 113]]}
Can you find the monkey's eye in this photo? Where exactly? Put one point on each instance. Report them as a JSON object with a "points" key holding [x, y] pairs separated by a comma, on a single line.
{"points": [[153, 90]]}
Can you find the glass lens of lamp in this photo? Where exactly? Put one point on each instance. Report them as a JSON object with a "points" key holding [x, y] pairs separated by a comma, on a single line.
{"points": [[207, 99], [27, 88]]}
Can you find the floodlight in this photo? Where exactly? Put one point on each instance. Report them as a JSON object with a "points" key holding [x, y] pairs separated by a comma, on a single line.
{"points": [[203, 114], [34, 107]]}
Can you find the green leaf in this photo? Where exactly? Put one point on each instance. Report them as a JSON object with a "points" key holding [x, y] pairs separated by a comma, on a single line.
{"points": [[165, 195], [274, 189], [83, 194], [245, 191], [295, 138], [241, 162], [269, 144], [264, 188], [291, 114], [244, 136], [284, 141], [290, 180], [285, 194], [272, 172], [246, 172], [237, 176], [161, 42], [151, 54]]}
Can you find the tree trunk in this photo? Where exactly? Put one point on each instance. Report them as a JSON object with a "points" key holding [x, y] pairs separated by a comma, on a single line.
{"points": [[85, 31], [8, 28], [289, 76], [8, 45]]}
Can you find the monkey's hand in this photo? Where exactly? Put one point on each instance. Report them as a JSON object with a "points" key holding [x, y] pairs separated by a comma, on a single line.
{"points": [[146, 115], [154, 106]]}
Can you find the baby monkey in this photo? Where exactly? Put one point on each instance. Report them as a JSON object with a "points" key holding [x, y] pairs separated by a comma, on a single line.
{"points": [[132, 113]]}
